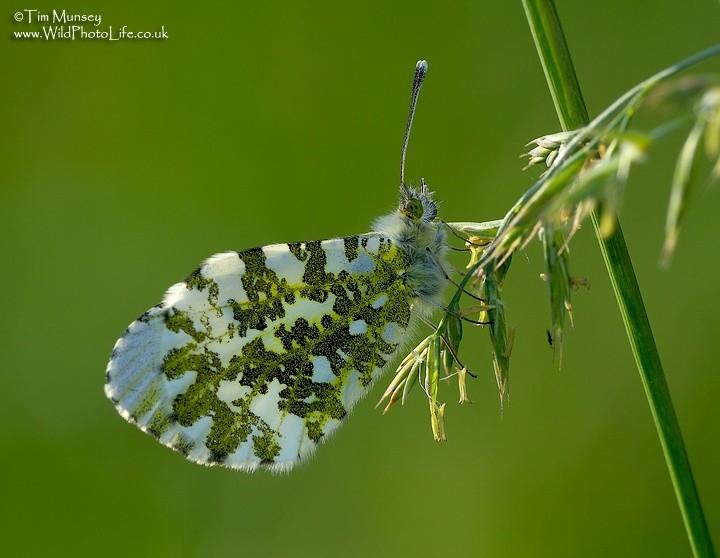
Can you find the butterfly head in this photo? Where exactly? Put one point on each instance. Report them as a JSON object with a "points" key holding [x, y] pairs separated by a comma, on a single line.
{"points": [[417, 205]]}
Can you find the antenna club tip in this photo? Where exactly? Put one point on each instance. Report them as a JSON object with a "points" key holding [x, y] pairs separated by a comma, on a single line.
{"points": [[421, 66]]}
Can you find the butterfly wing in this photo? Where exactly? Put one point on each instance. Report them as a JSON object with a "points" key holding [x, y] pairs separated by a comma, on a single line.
{"points": [[259, 355]]}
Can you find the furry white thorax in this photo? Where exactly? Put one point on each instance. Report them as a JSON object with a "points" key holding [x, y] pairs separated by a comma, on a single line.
{"points": [[425, 242]]}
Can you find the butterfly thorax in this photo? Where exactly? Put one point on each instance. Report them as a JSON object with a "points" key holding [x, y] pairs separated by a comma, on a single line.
{"points": [[414, 229]]}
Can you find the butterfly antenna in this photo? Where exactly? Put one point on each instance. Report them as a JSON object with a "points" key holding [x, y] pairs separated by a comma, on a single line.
{"points": [[421, 69]]}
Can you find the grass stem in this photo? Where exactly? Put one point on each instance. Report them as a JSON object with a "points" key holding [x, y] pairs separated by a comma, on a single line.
{"points": [[565, 90]]}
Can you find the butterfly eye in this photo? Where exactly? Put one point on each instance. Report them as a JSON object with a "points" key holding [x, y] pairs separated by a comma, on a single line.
{"points": [[413, 209]]}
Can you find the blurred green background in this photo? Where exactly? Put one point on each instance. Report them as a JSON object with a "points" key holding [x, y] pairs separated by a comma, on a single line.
{"points": [[127, 163]]}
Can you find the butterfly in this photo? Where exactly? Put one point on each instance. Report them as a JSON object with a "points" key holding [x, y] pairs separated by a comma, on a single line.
{"points": [[259, 355]]}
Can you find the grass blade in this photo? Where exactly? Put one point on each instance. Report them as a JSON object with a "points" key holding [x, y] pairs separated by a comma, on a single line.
{"points": [[560, 74]]}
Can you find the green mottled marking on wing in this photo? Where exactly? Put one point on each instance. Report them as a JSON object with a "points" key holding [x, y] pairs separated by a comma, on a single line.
{"points": [[351, 247], [180, 321], [196, 281], [259, 280]]}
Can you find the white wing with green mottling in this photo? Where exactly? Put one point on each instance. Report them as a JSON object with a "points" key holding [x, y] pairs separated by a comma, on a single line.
{"points": [[259, 355]]}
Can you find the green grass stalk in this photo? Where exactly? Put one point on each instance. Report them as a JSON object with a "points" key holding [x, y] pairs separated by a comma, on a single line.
{"points": [[560, 74]]}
